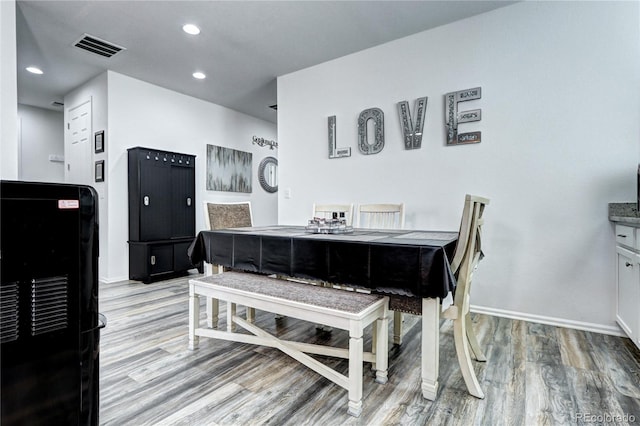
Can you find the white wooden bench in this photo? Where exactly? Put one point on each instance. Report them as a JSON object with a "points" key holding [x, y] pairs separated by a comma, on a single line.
{"points": [[341, 309]]}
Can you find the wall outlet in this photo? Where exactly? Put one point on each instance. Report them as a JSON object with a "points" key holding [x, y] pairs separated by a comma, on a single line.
{"points": [[287, 193]]}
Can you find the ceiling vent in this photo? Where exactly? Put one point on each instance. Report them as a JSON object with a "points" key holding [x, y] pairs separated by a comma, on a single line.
{"points": [[98, 46]]}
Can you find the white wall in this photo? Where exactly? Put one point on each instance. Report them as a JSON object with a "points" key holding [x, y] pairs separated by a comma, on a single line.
{"points": [[8, 92], [96, 90], [560, 133], [141, 114], [41, 135]]}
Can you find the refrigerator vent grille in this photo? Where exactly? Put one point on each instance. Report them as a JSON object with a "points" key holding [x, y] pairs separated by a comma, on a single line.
{"points": [[9, 318], [49, 300]]}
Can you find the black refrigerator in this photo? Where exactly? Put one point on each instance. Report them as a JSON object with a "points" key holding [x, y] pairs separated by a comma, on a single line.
{"points": [[49, 321]]}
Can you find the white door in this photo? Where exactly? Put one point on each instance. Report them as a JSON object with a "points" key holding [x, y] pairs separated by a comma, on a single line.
{"points": [[78, 168]]}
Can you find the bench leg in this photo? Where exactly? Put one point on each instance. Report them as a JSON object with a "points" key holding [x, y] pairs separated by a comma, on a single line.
{"points": [[213, 312], [231, 312], [194, 319], [213, 305], [374, 344], [430, 357], [355, 375], [381, 347], [397, 327], [251, 314]]}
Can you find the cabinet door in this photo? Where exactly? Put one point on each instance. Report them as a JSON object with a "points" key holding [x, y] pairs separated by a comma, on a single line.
{"points": [[183, 201], [160, 259], [628, 293], [181, 261], [155, 200]]}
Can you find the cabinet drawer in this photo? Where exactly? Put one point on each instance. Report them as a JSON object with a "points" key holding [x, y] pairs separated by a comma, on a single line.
{"points": [[625, 235]]}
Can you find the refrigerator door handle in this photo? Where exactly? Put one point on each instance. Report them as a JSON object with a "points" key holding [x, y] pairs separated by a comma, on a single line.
{"points": [[102, 321]]}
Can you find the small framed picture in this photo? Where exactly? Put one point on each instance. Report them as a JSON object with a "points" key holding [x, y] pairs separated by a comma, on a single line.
{"points": [[98, 139], [99, 171]]}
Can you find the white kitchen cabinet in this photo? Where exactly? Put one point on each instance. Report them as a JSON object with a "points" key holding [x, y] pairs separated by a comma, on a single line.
{"points": [[628, 281]]}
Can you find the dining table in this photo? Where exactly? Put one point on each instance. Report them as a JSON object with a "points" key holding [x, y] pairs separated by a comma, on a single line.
{"points": [[407, 264]]}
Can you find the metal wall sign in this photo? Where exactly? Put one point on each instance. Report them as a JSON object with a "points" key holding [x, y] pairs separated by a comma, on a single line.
{"points": [[411, 133], [264, 142], [453, 117], [334, 151], [377, 116]]}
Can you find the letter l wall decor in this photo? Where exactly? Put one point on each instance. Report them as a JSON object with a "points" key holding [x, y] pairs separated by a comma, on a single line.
{"points": [[334, 151]]}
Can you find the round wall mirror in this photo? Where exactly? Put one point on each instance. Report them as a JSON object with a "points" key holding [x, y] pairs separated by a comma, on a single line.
{"points": [[268, 174]]}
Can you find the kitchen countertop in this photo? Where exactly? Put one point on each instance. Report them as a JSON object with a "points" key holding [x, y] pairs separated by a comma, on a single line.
{"points": [[624, 213]]}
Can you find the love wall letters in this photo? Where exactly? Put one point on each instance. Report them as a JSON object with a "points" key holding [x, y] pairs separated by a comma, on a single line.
{"points": [[411, 129]]}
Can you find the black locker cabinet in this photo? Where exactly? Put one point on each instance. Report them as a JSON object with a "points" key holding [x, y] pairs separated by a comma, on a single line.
{"points": [[161, 213]]}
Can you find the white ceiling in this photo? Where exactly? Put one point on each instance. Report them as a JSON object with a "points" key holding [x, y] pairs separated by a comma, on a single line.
{"points": [[243, 46]]}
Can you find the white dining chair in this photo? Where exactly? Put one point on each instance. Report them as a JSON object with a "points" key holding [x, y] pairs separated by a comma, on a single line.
{"points": [[220, 216], [380, 216], [384, 216], [465, 261], [227, 215], [326, 211], [468, 253]]}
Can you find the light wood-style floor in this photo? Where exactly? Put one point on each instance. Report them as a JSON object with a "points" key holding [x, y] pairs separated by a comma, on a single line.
{"points": [[534, 375]]}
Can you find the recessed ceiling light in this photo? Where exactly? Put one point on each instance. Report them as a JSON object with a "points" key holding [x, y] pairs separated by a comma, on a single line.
{"points": [[191, 29], [199, 75], [34, 70]]}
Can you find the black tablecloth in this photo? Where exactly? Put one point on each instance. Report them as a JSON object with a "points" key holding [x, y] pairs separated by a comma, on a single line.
{"points": [[400, 262]]}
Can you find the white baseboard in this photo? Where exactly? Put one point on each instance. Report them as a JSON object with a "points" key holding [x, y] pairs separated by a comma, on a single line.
{"points": [[105, 280], [541, 319], [113, 280], [558, 322]]}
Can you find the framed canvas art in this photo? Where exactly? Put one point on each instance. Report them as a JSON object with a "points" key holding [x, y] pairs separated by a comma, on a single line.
{"points": [[99, 171], [98, 139], [228, 169]]}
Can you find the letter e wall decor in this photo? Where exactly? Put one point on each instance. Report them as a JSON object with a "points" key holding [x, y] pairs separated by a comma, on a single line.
{"points": [[453, 117]]}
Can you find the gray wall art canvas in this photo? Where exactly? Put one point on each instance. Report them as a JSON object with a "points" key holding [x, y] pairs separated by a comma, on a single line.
{"points": [[228, 169]]}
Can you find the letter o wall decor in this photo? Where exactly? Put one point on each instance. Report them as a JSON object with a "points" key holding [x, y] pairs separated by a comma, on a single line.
{"points": [[377, 116]]}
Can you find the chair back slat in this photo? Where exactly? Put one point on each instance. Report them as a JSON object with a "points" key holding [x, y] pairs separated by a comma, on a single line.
{"points": [[326, 211], [381, 216]]}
